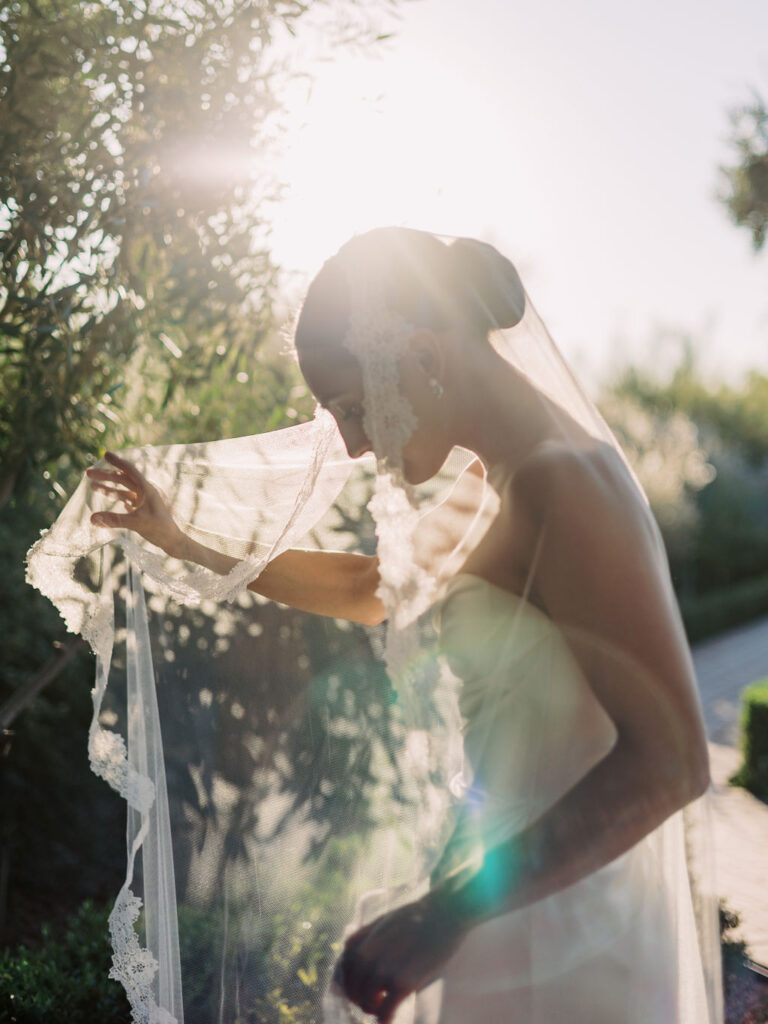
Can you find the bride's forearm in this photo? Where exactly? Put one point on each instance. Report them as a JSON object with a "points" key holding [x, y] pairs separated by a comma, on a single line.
{"points": [[610, 810], [334, 583]]}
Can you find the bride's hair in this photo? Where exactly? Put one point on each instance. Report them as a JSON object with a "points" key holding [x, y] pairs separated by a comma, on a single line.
{"points": [[430, 283]]}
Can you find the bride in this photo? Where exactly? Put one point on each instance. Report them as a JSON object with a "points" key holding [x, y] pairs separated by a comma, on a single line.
{"points": [[562, 892]]}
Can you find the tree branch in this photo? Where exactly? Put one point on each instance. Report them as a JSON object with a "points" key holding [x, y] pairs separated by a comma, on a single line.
{"points": [[27, 692], [7, 485]]}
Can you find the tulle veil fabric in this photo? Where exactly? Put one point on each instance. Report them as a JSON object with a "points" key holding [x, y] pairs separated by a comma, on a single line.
{"points": [[288, 778]]}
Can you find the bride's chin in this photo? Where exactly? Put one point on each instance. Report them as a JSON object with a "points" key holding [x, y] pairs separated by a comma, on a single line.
{"points": [[415, 474], [408, 472]]}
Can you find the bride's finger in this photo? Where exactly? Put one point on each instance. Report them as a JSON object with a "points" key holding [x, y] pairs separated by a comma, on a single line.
{"points": [[115, 476], [120, 492], [134, 476], [116, 520], [123, 495]]}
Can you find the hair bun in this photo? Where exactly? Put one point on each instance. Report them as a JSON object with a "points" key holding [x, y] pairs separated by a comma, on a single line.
{"points": [[495, 296], [430, 282]]}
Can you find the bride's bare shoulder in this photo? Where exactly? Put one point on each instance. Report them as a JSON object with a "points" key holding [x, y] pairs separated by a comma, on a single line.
{"points": [[582, 480], [584, 499], [582, 495], [554, 463]]}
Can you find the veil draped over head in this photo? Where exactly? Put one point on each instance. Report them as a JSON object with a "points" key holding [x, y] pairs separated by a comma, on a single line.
{"points": [[289, 777]]}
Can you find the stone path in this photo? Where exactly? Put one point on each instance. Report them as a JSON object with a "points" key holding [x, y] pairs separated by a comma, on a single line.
{"points": [[724, 666]]}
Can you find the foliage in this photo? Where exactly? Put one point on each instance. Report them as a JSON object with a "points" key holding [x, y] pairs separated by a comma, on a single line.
{"points": [[115, 234], [289, 955], [664, 450], [746, 1000], [242, 395], [56, 817], [753, 774], [733, 948], [746, 194], [724, 608], [136, 304], [251, 716], [65, 977], [737, 416], [701, 450], [134, 203]]}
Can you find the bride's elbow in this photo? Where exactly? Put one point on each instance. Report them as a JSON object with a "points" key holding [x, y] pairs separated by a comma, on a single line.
{"points": [[369, 607], [698, 775], [374, 616], [687, 780], [668, 776], [693, 753]]}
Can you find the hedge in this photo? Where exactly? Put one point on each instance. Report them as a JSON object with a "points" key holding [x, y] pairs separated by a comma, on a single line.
{"points": [[65, 978], [753, 774]]}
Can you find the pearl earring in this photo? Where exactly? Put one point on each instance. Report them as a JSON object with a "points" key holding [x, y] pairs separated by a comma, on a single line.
{"points": [[436, 387]]}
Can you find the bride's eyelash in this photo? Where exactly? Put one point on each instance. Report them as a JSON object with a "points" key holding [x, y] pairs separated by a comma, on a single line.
{"points": [[345, 412]]}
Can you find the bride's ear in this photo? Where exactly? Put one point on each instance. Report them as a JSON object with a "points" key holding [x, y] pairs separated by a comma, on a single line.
{"points": [[427, 353]]}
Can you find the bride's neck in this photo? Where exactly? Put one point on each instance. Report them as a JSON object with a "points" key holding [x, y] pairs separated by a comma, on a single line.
{"points": [[501, 416]]}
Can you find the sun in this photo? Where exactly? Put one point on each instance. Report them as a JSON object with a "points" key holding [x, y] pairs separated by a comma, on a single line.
{"points": [[359, 155]]}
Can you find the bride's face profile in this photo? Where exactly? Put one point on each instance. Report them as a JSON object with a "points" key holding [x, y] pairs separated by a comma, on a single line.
{"points": [[335, 378], [403, 295]]}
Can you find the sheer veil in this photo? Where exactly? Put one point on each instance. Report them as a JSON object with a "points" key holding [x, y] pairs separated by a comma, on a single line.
{"points": [[289, 778]]}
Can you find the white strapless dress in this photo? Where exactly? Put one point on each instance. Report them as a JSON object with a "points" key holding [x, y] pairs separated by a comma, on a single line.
{"points": [[609, 949]]}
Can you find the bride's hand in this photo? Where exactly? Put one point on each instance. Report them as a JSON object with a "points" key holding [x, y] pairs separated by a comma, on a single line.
{"points": [[147, 511], [399, 953]]}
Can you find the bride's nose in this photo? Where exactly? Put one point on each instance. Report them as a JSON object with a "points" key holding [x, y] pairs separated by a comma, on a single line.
{"points": [[356, 442]]}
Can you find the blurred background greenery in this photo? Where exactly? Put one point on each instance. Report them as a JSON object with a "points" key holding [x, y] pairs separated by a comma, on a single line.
{"points": [[139, 302]]}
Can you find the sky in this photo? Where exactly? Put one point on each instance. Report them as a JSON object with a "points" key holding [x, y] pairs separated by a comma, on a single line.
{"points": [[583, 140]]}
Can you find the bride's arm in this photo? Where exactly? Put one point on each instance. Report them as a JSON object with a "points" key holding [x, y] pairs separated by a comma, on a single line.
{"points": [[334, 583], [339, 584], [603, 579]]}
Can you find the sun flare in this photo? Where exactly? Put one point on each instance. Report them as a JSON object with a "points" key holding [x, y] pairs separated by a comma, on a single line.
{"points": [[357, 158]]}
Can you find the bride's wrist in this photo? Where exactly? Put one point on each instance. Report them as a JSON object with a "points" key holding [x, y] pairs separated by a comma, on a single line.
{"points": [[450, 906], [178, 546], [479, 891]]}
